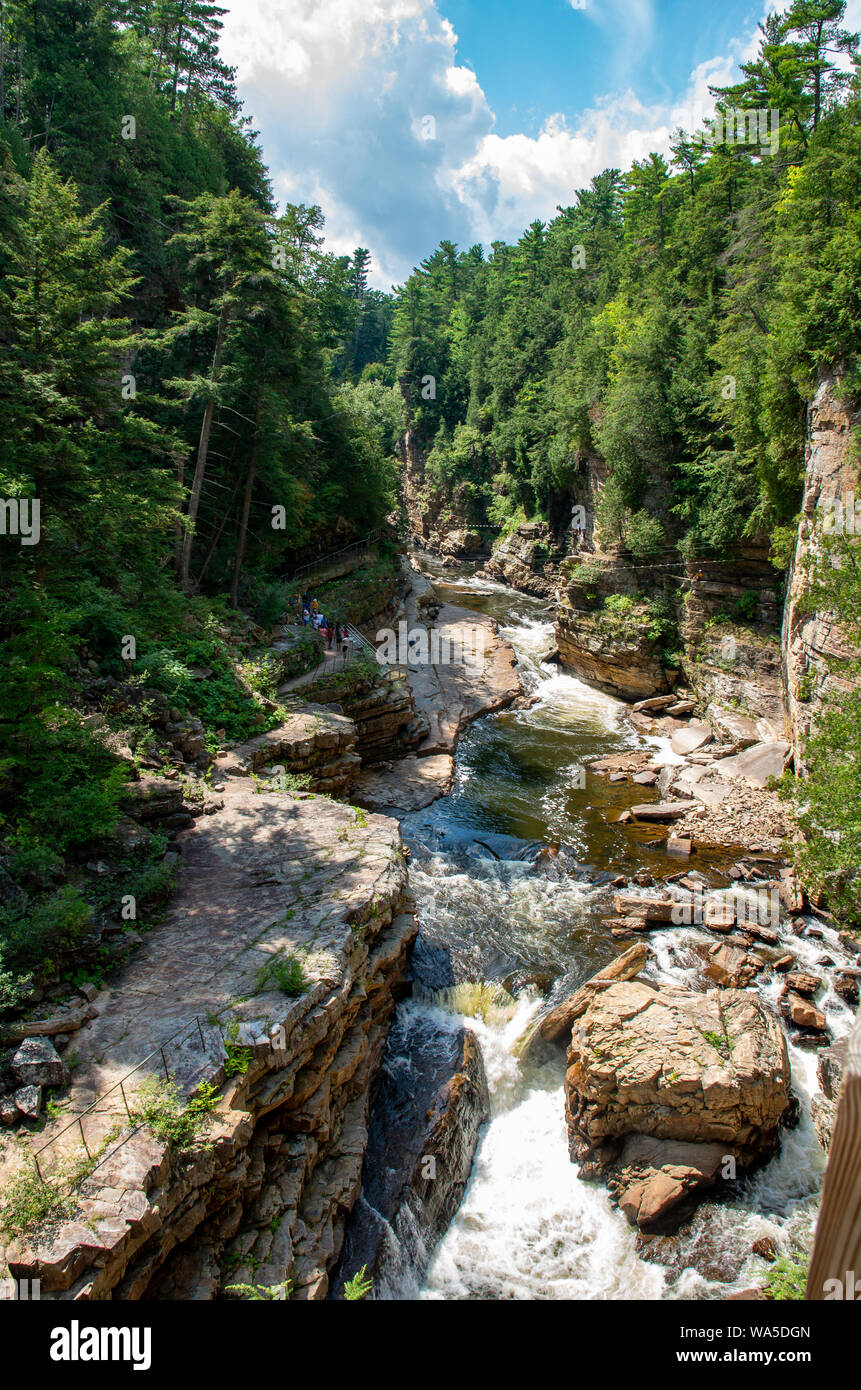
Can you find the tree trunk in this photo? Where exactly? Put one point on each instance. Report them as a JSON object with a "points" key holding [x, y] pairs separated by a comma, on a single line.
{"points": [[246, 506], [202, 452]]}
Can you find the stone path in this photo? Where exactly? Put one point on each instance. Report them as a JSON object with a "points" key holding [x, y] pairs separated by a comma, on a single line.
{"points": [[269, 874], [451, 695]]}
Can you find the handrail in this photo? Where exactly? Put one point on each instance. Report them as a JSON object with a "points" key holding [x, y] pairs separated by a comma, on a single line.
{"points": [[333, 554], [77, 1122], [837, 1245]]}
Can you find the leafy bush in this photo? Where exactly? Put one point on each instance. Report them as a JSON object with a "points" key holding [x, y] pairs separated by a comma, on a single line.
{"points": [[358, 1287], [29, 1203]]}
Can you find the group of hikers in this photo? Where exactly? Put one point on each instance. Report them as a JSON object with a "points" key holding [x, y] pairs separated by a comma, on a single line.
{"points": [[335, 631]]}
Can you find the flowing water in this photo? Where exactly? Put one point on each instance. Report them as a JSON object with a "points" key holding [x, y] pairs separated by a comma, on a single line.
{"points": [[511, 874]]}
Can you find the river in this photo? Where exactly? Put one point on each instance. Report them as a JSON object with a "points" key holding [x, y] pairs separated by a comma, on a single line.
{"points": [[511, 873]]}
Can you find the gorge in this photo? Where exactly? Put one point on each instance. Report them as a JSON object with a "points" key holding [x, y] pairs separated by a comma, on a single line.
{"points": [[430, 720]]}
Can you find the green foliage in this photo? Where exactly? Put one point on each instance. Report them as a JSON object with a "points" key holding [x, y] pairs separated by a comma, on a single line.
{"points": [[786, 1279], [358, 1287], [157, 1103], [238, 1058], [28, 1203], [285, 973], [259, 1293]]}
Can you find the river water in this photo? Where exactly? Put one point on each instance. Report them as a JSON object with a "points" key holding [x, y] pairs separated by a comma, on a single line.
{"points": [[511, 874]]}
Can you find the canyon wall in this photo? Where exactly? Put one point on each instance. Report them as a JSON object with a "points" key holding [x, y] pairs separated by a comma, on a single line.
{"points": [[811, 640]]}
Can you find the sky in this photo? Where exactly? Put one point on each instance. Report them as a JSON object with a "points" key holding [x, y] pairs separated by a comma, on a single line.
{"points": [[410, 121]]}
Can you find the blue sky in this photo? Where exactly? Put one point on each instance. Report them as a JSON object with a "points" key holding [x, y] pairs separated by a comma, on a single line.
{"points": [[533, 58], [413, 120]]}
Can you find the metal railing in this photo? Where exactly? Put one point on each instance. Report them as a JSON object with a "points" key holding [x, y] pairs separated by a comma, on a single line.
{"points": [[334, 557], [187, 1030]]}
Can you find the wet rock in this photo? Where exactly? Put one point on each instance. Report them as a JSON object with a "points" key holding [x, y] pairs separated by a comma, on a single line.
{"points": [[766, 1248], [805, 1015], [431, 1101], [667, 1062], [731, 968], [846, 986], [556, 1025], [830, 1070], [803, 983], [656, 1181]]}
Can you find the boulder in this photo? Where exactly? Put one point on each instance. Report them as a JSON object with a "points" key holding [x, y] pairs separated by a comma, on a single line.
{"points": [[9, 1112], [689, 739], [663, 810], [804, 1014], [558, 1022], [695, 1068], [29, 1101], [755, 765], [38, 1063], [655, 1177], [732, 968], [739, 728], [803, 983]]}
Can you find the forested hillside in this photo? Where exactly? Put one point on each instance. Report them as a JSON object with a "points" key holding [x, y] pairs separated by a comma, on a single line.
{"points": [[177, 378], [672, 319], [197, 396]]}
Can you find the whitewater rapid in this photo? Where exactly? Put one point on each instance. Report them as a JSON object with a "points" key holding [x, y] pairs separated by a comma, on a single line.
{"points": [[528, 1227]]}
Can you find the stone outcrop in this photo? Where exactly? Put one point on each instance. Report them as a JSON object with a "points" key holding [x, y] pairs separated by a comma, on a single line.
{"points": [[316, 744], [522, 560], [624, 663], [709, 1071], [384, 713], [438, 522], [428, 1108], [812, 642], [448, 694], [830, 1069], [263, 1195]]}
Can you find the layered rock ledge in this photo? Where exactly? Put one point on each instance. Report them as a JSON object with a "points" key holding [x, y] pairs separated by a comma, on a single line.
{"points": [[263, 1194], [665, 1085]]}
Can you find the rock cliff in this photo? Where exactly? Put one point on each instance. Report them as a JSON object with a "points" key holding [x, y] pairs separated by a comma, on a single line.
{"points": [[811, 640]]}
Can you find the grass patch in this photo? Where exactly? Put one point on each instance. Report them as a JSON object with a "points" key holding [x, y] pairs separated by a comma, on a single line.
{"points": [[159, 1105]]}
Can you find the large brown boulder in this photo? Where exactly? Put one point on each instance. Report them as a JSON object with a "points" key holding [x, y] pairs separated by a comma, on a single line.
{"points": [[707, 1071]]}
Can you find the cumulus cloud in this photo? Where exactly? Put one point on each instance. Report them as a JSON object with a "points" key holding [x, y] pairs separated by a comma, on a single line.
{"points": [[364, 108]]}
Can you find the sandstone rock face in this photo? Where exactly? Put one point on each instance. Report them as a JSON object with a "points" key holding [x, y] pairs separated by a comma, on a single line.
{"points": [[520, 560], [448, 695], [627, 666], [811, 640], [316, 744], [430, 1104], [265, 1196], [671, 1064], [436, 522], [830, 1069]]}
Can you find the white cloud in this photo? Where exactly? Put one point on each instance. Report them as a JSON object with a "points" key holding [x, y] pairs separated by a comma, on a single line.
{"points": [[364, 108]]}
